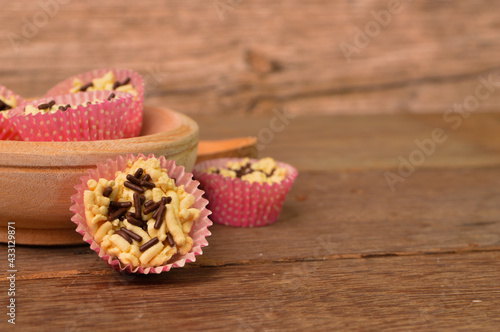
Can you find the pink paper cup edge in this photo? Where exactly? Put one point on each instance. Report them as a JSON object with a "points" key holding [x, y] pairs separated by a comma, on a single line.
{"points": [[8, 131], [103, 121], [134, 117], [7, 128], [241, 203], [107, 170]]}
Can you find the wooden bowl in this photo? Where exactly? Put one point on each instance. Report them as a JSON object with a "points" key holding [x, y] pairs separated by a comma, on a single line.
{"points": [[37, 179]]}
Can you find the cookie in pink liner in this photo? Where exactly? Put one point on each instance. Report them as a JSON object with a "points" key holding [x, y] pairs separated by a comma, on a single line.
{"points": [[8, 100], [237, 202], [134, 116], [108, 170], [103, 120]]}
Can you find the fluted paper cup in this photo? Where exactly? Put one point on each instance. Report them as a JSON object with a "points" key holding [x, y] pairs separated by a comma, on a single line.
{"points": [[134, 115], [7, 129], [236, 202], [90, 122], [107, 170]]}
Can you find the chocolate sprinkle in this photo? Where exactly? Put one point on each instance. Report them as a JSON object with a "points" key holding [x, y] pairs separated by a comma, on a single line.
{"points": [[138, 173], [148, 244], [133, 220], [143, 199], [64, 107], [117, 214], [244, 171], [161, 214], [155, 214], [43, 106], [86, 86], [124, 235], [133, 235], [119, 205], [111, 96], [146, 177], [148, 203], [137, 205], [117, 83], [148, 185], [111, 210], [167, 199], [107, 192], [4, 106], [151, 208], [133, 179], [170, 240], [125, 81], [134, 187]]}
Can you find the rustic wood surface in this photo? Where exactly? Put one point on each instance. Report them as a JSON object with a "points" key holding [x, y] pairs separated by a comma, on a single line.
{"points": [[347, 253], [240, 56]]}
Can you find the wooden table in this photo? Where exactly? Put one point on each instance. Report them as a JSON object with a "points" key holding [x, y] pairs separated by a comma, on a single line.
{"points": [[242, 56], [347, 253]]}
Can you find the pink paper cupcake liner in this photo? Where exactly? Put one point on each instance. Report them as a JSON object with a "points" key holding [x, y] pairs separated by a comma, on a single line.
{"points": [[235, 202], [7, 129], [134, 115], [107, 170], [102, 121]]}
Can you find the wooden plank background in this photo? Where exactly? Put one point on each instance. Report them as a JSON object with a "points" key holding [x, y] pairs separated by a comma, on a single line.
{"points": [[248, 57], [346, 254]]}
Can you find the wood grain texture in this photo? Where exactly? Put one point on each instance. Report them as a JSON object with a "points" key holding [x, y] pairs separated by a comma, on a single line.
{"points": [[390, 293], [348, 215], [352, 215], [244, 147], [372, 142], [259, 55], [346, 254], [346, 144]]}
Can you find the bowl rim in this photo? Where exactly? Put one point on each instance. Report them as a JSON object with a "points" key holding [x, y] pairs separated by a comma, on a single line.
{"points": [[57, 154]]}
